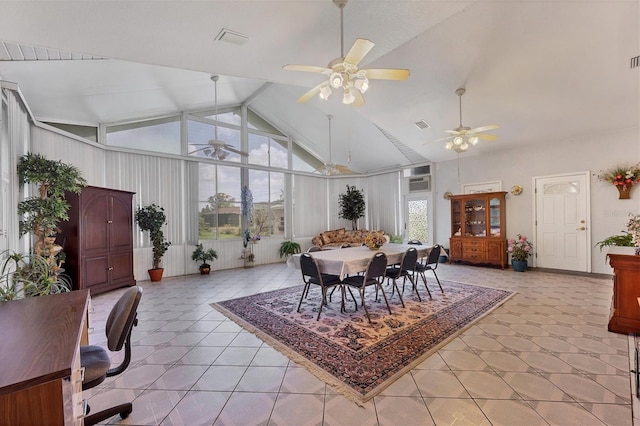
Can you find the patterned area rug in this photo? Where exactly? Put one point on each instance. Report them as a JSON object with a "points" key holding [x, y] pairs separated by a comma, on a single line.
{"points": [[357, 358]]}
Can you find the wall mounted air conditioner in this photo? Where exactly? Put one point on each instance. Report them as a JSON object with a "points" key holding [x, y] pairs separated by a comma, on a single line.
{"points": [[420, 183]]}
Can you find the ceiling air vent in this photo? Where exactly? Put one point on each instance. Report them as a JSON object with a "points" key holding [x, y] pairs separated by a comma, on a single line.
{"points": [[635, 62], [230, 36], [422, 124]]}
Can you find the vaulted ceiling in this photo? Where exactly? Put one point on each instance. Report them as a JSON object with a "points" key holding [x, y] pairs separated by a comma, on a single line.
{"points": [[545, 71]]}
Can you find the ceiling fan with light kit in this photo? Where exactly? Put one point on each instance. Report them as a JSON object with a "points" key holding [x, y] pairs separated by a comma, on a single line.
{"points": [[462, 137], [215, 148], [331, 168], [343, 72]]}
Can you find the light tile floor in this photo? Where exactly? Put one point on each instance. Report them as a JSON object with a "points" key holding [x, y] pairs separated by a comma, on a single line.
{"points": [[544, 357]]}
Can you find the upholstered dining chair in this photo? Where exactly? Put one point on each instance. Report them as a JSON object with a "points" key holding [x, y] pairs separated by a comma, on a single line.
{"points": [[373, 276], [406, 269], [96, 360], [415, 242], [430, 265], [311, 275]]}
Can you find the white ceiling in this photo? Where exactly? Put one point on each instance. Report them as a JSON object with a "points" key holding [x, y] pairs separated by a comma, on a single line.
{"points": [[545, 71]]}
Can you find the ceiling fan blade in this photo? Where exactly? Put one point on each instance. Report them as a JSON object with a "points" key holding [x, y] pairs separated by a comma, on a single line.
{"points": [[359, 98], [232, 149], [454, 132], [311, 93], [199, 149], [358, 51], [386, 74], [343, 169], [484, 128], [306, 68], [486, 136], [441, 139]]}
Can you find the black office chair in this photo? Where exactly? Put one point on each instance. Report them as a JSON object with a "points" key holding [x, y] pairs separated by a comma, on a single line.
{"points": [[96, 360], [373, 275], [311, 275], [430, 265]]}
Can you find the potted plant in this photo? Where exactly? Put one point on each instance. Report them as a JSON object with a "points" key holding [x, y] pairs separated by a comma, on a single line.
{"points": [[29, 275], [203, 256], [520, 249], [352, 205], [151, 218], [41, 213], [287, 248]]}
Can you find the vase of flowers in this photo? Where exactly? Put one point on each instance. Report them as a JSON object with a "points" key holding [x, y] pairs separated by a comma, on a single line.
{"points": [[623, 178], [374, 241], [520, 249]]}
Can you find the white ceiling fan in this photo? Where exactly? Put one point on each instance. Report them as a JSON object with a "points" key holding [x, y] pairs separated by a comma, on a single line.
{"points": [[343, 72], [331, 168], [215, 148], [462, 137]]}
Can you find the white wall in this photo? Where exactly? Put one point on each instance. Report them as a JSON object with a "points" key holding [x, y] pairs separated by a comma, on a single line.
{"points": [[520, 165]]}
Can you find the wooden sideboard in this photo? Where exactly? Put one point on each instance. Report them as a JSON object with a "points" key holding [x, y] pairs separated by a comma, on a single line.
{"points": [[40, 373], [625, 310]]}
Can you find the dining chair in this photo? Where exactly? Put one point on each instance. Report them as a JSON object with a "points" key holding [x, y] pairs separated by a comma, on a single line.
{"points": [[311, 275], [373, 276], [430, 265], [406, 269], [415, 242], [96, 361]]}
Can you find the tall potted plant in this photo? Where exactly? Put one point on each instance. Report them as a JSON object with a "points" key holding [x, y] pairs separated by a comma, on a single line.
{"points": [[352, 205], [41, 213], [151, 218]]}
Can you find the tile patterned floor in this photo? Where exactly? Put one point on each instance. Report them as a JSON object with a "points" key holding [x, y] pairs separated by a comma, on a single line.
{"points": [[543, 358]]}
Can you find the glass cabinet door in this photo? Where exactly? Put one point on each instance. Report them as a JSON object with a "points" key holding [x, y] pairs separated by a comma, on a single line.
{"points": [[456, 218], [475, 218], [494, 217]]}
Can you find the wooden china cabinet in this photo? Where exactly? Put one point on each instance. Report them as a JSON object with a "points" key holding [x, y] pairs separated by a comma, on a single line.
{"points": [[98, 239], [478, 228]]}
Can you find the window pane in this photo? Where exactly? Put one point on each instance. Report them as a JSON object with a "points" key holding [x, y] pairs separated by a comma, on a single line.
{"points": [[207, 218], [258, 149], [230, 117], [200, 134], [161, 135], [219, 202], [418, 224], [277, 203]]}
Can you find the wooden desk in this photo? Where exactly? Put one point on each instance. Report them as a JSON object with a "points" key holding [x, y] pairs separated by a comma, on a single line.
{"points": [[40, 374], [625, 311]]}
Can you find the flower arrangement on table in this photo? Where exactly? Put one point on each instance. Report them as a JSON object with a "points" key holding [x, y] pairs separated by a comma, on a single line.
{"points": [[621, 177], [520, 249], [374, 240]]}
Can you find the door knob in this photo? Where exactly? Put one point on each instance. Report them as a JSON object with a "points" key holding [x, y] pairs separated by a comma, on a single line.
{"points": [[582, 228]]}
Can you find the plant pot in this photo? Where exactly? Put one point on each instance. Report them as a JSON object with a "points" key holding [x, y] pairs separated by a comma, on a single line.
{"points": [[155, 274], [205, 269], [519, 265]]}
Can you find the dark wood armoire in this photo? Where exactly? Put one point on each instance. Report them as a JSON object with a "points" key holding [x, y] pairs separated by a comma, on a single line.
{"points": [[98, 239]]}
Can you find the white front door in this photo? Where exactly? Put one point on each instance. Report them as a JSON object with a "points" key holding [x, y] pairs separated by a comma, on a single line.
{"points": [[562, 222]]}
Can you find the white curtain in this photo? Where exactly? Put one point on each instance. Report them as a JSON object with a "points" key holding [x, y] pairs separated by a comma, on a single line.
{"points": [[309, 199], [383, 202]]}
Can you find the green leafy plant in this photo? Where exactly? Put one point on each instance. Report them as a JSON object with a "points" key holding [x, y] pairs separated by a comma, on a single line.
{"points": [[203, 256], [288, 248], [29, 275], [352, 205], [151, 218], [396, 239], [624, 240], [41, 213]]}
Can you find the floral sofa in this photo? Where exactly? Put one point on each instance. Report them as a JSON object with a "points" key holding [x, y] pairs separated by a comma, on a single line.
{"points": [[341, 237]]}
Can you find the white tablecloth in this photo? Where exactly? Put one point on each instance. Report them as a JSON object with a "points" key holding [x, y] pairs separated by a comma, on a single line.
{"points": [[351, 260]]}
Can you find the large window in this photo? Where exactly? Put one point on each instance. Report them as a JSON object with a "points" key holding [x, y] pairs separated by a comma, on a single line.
{"points": [[268, 202], [201, 135], [161, 135], [219, 202], [268, 151]]}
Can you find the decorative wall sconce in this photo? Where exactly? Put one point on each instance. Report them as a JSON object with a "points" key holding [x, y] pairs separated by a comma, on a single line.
{"points": [[447, 195], [516, 189]]}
